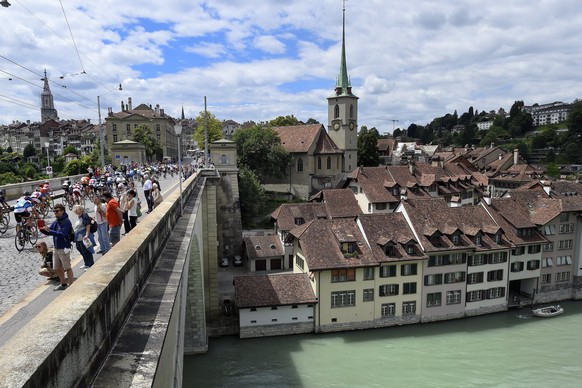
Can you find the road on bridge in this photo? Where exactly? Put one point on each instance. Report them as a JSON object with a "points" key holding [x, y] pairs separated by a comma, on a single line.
{"points": [[23, 292]]}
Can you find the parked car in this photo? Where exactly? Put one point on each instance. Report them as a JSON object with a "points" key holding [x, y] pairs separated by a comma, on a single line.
{"points": [[238, 261], [224, 262]]}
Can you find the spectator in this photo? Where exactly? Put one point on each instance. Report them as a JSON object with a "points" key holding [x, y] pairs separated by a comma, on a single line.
{"points": [[156, 195], [82, 234], [60, 229], [114, 217], [47, 268], [123, 206], [131, 206], [101, 220], [147, 187]]}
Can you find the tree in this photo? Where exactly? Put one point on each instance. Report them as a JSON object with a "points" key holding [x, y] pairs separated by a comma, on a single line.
{"points": [[284, 121], [70, 150], [28, 151], [553, 170], [143, 134], [368, 147], [252, 195], [312, 121], [260, 150], [516, 108], [575, 121], [397, 132], [214, 129]]}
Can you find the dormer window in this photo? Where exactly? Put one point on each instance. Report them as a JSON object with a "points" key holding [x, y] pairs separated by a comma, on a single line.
{"points": [[410, 249], [299, 220], [455, 238], [389, 250], [349, 247], [478, 240], [498, 238], [273, 246], [257, 247]]}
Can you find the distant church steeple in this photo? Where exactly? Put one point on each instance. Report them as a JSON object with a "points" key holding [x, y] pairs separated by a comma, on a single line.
{"points": [[47, 107], [342, 111], [183, 117]]}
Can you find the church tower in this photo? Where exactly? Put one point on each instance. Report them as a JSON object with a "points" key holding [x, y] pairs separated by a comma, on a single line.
{"points": [[47, 105], [342, 112]]}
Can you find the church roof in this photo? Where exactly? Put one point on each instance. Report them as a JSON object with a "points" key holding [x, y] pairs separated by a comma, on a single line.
{"points": [[298, 138]]}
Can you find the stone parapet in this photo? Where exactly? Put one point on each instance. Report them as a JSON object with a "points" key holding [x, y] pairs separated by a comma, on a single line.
{"points": [[375, 324]]}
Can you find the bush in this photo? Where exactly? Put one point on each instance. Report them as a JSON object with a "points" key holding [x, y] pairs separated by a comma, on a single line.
{"points": [[8, 177]]}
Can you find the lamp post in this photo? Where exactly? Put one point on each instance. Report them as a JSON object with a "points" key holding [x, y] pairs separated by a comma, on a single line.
{"points": [[178, 130], [49, 170]]}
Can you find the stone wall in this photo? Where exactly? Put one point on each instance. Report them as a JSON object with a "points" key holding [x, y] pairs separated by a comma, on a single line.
{"points": [[485, 310], [375, 324], [275, 330]]}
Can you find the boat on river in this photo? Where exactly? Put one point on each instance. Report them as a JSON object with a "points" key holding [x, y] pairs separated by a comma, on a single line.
{"points": [[548, 311]]}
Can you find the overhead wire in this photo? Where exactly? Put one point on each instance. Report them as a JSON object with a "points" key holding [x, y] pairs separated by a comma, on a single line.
{"points": [[72, 37]]}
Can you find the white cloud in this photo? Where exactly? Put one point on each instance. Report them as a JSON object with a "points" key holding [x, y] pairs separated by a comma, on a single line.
{"points": [[256, 59]]}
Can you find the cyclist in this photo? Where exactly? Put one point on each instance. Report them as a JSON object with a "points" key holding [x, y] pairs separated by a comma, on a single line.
{"points": [[3, 204], [77, 190], [23, 209], [85, 183], [37, 199], [67, 187]]}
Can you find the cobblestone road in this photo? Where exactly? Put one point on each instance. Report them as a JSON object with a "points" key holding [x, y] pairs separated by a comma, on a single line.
{"points": [[19, 270]]}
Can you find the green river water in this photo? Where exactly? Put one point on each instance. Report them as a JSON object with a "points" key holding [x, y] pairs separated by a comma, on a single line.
{"points": [[509, 349]]}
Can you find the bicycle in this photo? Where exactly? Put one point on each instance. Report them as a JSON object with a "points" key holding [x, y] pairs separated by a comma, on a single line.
{"points": [[26, 233], [4, 220]]}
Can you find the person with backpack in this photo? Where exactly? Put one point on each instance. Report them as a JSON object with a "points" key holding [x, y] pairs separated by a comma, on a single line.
{"points": [[84, 239], [61, 230], [114, 216]]}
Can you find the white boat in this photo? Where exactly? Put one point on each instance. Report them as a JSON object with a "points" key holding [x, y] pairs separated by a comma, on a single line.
{"points": [[549, 311]]}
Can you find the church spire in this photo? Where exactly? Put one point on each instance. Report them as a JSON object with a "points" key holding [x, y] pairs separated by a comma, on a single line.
{"points": [[343, 85], [183, 117], [47, 106]]}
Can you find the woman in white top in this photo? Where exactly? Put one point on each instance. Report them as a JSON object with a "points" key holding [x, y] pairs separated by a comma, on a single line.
{"points": [[102, 232], [131, 207]]}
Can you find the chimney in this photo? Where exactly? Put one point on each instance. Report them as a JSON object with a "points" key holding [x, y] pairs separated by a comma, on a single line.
{"points": [[129, 107], [515, 157], [492, 145], [547, 187], [500, 156], [403, 196], [158, 110], [122, 105], [411, 166], [162, 112]]}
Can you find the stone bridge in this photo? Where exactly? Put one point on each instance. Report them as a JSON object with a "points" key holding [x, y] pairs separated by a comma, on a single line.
{"points": [[130, 320]]}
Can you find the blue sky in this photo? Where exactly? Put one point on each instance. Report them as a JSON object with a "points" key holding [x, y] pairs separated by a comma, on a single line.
{"points": [[255, 60]]}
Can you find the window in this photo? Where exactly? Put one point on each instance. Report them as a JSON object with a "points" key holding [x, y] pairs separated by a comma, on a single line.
{"points": [[351, 111], [478, 239], [158, 137], [497, 292], [388, 290], [566, 228], [474, 278], [533, 265], [534, 249], [474, 296], [564, 260], [299, 220], [368, 273], [457, 258], [319, 162], [114, 128], [498, 238], [343, 275], [368, 294], [564, 217], [454, 297], [433, 299], [294, 306], [115, 138], [349, 247], [546, 278], [410, 249], [497, 257], [548, 262], [223, 159], [336, 111], [253, 309], [454, 277], [435, 261], [299, 165], [328, 163], [493, 276], [409, 308], [565, 244], [343, 298], [431, 280], [549, 230], [549, 247], [300, 262], [381, 206], [387, 271], [455, 238], [563, 276], [388, 309], [408, 269], [409, 288], [517, 251], [477, 260], [128, 128], [157, 127], [517, 266], [274, 308]]}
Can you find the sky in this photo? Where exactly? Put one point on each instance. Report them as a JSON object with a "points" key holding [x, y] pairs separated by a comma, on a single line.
{"points": [[409, 61]]}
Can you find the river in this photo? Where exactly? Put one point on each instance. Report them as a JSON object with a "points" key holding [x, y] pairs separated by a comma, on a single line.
{"points": [[509, 349]]}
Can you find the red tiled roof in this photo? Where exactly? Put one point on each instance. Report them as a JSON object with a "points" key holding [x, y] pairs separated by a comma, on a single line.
{"points": [[298, 138], [263, 246], [339, 203], [273, 290]]}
